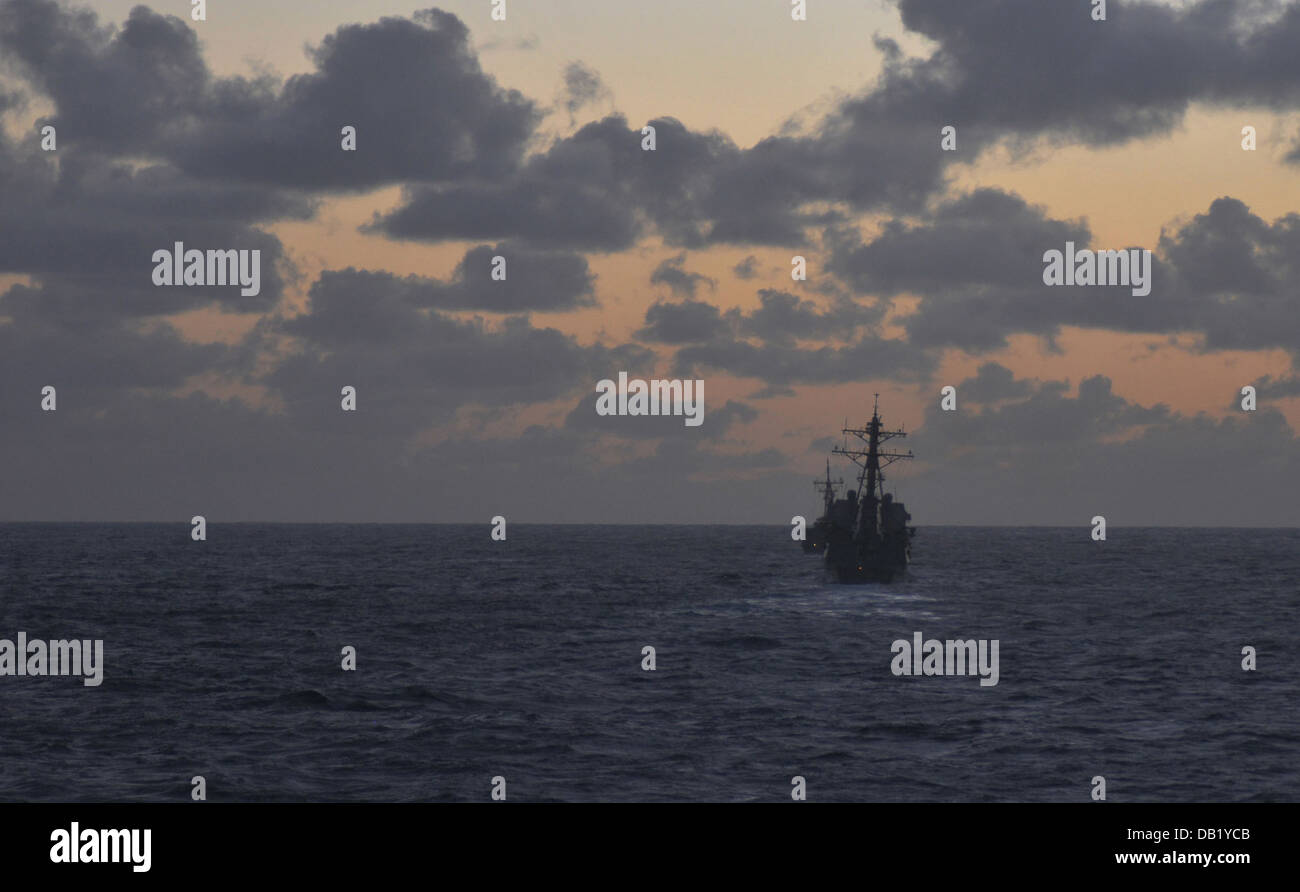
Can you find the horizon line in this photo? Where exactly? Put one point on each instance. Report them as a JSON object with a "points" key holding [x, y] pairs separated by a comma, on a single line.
{"points": [[448, 523]]}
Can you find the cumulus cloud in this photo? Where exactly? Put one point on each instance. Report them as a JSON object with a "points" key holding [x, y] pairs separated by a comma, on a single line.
{"points": [[779, 365], [536, 281], [684, 322], [976, 262], [415, 365], [428, 113], [1059, 456], [90, 226]]}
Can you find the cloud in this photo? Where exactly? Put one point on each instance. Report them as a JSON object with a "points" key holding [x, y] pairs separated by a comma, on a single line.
{"points": [[717, 424], [430, 118], [117, 91], [681, 282], [1270, 387], [976, 263], [1059, 457], [427, 113], [88, 360], [981, 239], [598, 190], [1027, 67], [536, 281], [747, 268], [1240, 276], [781, 365], [1009, 71], [90, 226], [685, 322], [782, 318], [595, 190], [413, 365], [582, 87], [994, 383]]}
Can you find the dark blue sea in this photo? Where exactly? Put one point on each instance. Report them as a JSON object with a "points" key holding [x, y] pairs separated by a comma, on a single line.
{"points": [[522, 659]]}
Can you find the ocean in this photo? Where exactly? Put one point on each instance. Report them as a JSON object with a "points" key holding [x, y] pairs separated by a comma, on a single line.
{"points": [[523, 660]]}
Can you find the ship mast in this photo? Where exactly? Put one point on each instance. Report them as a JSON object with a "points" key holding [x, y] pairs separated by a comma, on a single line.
{"points": [[871, 461], [827, 489]]}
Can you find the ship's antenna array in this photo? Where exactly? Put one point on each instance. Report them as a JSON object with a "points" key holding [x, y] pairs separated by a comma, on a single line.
{"points": [[872, 460]]}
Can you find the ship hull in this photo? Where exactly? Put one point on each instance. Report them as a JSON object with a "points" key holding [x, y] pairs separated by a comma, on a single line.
{"points": [[817, 538], [867, 574], [886, 562]]}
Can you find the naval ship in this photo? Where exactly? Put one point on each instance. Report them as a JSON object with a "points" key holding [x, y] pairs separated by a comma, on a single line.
{"points": [[868, 539], [814, 541]]}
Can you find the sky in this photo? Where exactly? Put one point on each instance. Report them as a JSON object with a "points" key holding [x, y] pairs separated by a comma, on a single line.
{"points": [[522, 138]]}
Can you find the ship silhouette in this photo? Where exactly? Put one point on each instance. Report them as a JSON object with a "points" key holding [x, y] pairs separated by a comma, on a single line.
{"points": [[815, 538], [866, 536]]}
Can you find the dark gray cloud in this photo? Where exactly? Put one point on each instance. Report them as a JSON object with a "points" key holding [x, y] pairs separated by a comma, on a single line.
{"points": [[718, 420], [582, 87], [116, 90], [537, 474], [88, 357], [598, 190], [1055, 457], [1028, 67], [747, 268], [782, 318], [1272, 388], [1012, 70], [536, 281], [143, 456], [11, 100], [156, 457], [595, 190], [1046, 414], [90, 226], [994, 382], [685, 322], [987, 238], [771, 391], [763, 343], [682, 282], [427, 113], [1239, 275], [976, 262], [781, 365], [413, 366]]}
